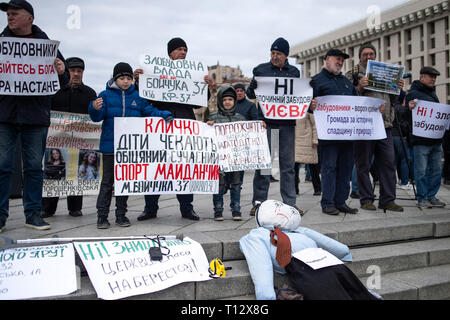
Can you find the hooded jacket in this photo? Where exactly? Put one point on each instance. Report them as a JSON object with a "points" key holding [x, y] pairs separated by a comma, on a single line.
{"points": [[421, 92], [120, 103], [223, 115], [32, 110]]}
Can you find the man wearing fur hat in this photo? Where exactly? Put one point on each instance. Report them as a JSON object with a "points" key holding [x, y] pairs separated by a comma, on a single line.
{"points": [[381, 150]]}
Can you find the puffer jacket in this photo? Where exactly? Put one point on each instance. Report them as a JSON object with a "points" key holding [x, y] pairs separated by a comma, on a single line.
{"points": [[120, 103], [32, 110], [222, 115]]}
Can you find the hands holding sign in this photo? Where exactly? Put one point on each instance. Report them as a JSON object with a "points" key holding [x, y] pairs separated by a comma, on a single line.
{"points": [[60, 66], [98, 104]]}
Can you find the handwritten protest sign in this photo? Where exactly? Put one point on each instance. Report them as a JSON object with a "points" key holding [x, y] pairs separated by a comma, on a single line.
{"points": [[26, 67], [349, 118], [180, 81], [384, 77], [430, 119], [32, 272], [283, 98], [119, 269], [242, 146], [157, 157], [72, 164]]}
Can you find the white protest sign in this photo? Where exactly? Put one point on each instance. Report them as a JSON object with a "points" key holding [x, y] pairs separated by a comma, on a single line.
{"points": [[119, 269], [243, 146], [152, 156], [430, 119], [384, 77], [33, 272], [349, 118], [317, 258], [284, 98], [179, 81], [27, 67], [72, 163]]}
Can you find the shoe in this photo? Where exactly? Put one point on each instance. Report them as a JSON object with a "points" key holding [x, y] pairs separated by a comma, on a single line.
{"points": [[191, 215], [391, 207], [76, 213], [218, 216], [36, 222], [2, 226], [253, 210], [272, 179], [368, 206], [308, 180], [354, 195], [425, 203], [346, 209], [407, 186], [436, 203], [299, 211], [317, 193], [102, 222], [237, 216], [146, 215], [45, 214], [331, 211], [122, 221]]}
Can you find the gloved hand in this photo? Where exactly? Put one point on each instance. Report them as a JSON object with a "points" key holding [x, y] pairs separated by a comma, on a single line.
{"points": [[253, 84], [167, 116]]}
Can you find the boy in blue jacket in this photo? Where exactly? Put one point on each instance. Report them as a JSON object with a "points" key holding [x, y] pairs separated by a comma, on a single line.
{"points": [[120, 99]]}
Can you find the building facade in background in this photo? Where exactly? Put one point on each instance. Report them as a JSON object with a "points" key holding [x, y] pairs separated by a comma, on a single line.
{"points": [[414, 34]]}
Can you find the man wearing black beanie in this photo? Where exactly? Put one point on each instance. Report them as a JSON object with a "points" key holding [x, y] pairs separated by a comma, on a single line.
{"points": [[176, 49]]}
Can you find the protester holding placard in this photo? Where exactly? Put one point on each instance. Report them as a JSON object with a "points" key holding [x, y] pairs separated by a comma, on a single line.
{"points": [[382, 151], [74, 98], [336, 155], [27, 117], [226, 105], [427, 151], [177, 50], [278, 66], [120, 99]]}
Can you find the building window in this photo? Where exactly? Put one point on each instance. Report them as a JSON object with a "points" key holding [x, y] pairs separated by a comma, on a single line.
{"points": [[409, 49], [433, 43], [432, 28], [433, 59], [408, 65], [388, 54]]}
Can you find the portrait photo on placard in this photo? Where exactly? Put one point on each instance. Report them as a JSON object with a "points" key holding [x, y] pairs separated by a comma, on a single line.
{"points": [[54, 164], [88, 165]]}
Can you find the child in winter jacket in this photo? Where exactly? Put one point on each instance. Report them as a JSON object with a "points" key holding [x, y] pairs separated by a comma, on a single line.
{"points": [[120, 99], [226, 102]]}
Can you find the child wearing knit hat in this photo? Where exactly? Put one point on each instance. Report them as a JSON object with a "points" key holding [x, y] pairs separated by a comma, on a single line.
{"points": [[120, 99]]}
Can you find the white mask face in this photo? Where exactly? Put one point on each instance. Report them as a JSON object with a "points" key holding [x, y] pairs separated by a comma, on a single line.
{"points": [[273, 213]]}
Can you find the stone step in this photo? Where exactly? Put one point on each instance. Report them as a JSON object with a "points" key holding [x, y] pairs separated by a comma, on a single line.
{"points": [[393, 263]]}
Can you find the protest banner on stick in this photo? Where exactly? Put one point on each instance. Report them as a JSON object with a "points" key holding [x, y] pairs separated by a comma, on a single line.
{"points": [[430, 119], [157, 157], [242, 146], [179, 81], [349, 118], [27, 67], [284, 98]]}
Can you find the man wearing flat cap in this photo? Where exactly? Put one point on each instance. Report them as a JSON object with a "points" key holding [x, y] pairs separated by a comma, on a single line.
{"points": [[27, 117], [74, 98], [427, 151], [278, 66], [336, 155], [380, 151], [176, 49]]}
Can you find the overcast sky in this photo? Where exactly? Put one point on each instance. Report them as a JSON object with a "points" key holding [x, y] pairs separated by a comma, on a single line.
{"points": [[234, 32]]}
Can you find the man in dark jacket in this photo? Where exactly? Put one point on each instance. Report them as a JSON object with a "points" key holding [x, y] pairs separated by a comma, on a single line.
{"points": [[27, 117], [336, 155], [427, 152], [176, 49], [278, 66], [74, 98], [244, 106]]}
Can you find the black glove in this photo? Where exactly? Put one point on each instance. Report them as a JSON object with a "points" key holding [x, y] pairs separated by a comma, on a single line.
{"points": [[253, 84]]}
